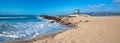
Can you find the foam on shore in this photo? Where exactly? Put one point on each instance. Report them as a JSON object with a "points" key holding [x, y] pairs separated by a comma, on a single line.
{"points": [[97, 30]]}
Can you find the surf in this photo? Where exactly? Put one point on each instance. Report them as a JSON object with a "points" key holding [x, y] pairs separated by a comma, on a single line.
{"points": [[26, 28]]}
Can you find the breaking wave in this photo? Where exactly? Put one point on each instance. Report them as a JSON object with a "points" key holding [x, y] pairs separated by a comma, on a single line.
{"points": [[27, 30]]}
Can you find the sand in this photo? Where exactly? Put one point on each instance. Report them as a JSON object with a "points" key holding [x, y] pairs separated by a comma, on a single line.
{"points": [[89, 29], [102, 29]]}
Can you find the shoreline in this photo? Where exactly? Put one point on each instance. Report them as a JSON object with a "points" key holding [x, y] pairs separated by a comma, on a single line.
{"points": [[39, 37], [81, 32]]}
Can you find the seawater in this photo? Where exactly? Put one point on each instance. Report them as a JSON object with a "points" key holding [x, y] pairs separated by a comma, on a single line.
{"points": [[25, 27]]}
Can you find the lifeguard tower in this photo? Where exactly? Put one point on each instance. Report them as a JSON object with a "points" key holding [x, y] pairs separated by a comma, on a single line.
{"points": [[77, 11]]}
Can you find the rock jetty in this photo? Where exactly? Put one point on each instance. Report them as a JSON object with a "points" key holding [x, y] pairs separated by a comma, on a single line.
{"points": [[69, 20]]}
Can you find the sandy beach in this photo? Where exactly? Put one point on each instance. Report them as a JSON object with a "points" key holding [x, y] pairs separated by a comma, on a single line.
{"points": [[102, 29], [59, 21], [90, 29]]}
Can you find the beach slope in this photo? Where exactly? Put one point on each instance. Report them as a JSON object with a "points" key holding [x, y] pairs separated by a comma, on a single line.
{"points": [[103, 29]]}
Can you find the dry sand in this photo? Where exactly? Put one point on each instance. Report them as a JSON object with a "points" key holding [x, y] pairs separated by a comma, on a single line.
{"points": [[100, 30], [105, 29]]}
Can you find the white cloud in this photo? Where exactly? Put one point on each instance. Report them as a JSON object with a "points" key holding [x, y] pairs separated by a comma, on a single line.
{"points": [[115, 7], [116, 2], [96, 6], [102, 4]]}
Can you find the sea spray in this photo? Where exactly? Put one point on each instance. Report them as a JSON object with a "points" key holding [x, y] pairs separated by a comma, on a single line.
{"points": [[26, 28]]}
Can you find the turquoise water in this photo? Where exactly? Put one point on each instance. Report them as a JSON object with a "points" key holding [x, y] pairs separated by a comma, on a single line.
{"points": [[25, 27]]}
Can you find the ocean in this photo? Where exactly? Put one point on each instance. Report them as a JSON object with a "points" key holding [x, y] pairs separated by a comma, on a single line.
{"points": [[22, 27]]}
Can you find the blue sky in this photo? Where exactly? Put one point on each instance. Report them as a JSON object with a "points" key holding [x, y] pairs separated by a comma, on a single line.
{"points": [[58, 6]]}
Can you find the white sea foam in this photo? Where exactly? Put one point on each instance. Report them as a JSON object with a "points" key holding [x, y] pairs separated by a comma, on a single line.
{"points": [[11, 17], [9, 35], [27, 30]]}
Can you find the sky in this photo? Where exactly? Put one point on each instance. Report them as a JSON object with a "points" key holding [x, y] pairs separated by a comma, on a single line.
{"points": [[58, 6]]}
